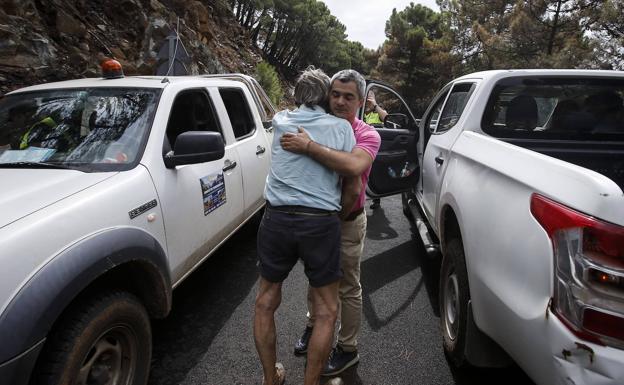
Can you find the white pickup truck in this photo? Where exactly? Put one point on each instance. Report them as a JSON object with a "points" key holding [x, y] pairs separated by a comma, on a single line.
{"points": [[112, 191], [517, 177]]}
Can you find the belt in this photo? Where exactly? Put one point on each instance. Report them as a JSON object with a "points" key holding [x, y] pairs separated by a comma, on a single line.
{"points": [[354, 214], [301, 210]]}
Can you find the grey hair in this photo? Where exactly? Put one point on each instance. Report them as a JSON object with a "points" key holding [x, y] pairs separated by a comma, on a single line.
{"points": [[351, 76], [312, 88]]}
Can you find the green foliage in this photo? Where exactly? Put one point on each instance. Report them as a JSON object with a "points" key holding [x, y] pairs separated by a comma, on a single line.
{"points": [[294, 34], [607, 27], [268, 79], [415, 57], [425, 49], [522, 34]]}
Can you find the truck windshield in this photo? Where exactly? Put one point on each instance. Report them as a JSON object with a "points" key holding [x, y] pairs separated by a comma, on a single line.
{"points": [[96, 129], [567, 108]]}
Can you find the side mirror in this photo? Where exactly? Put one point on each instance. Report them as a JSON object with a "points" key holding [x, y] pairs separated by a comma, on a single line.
{"points": [[396, 121], [193, 147]]}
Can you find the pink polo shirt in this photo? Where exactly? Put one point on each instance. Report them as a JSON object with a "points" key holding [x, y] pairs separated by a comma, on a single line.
{"points": [[368, 140]]}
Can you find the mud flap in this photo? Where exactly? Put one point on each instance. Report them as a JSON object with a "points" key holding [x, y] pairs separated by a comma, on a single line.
{"points": [[480, 349]]}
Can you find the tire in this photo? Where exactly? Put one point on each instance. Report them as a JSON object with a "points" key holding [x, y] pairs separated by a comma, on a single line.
{"points": [[105, 339], [454, 297]]}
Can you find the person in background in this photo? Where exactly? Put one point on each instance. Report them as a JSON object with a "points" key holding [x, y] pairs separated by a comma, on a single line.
{"points": [[346, 97], [301, 221], [374, 114]]}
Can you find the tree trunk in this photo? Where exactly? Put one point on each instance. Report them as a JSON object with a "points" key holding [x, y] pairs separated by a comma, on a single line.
{"points": [[553, 30], [256, 31]]}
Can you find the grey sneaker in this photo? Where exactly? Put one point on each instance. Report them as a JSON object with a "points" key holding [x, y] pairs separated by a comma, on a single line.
{"points": [[339, 360]]}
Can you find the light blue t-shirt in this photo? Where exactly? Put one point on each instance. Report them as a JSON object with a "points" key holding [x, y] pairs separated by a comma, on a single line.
{"points": [[297, 179]]}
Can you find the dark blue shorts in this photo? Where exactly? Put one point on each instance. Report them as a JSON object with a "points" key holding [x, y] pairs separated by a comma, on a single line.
{"points": [[284, 238]]}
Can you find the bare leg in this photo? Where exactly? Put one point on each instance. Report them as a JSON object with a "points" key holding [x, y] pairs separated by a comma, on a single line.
{"points": [[267, 301], [325, 305]]}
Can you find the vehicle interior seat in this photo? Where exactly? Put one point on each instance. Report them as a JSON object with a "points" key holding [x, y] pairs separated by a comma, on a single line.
{"points": [[521, 113], [562, 118]]}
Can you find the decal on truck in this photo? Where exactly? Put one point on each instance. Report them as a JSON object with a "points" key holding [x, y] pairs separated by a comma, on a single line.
{"points": [[213, 192]]}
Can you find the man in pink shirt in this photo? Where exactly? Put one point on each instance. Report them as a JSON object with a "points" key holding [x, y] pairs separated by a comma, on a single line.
{"points": [[346, 96]]}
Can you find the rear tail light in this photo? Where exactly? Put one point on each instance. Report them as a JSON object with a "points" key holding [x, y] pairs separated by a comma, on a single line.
{"points": [[589, 271]]}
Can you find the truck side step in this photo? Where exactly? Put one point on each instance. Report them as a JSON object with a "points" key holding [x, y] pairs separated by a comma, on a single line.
{"points": [[429, 239]]}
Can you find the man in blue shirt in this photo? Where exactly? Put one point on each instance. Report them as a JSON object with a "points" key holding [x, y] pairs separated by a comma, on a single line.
{"points": [[301, 221]]}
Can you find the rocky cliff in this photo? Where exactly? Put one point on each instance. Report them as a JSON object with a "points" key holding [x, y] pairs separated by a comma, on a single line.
{"points": [[50, 40]]}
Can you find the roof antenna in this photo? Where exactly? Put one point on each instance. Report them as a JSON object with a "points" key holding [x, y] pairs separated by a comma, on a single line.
{"points": [[174, 50]]}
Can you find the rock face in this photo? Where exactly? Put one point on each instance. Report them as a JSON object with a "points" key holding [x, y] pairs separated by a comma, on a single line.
{"points": [[51, 40]]}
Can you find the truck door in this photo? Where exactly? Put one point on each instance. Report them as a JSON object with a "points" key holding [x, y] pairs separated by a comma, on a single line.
{"points": [[202, 203], [251, 143], [441, 123], [396, 166]]}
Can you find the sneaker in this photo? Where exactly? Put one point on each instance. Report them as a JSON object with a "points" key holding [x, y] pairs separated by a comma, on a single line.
{"points": [[335, 381], [339, 360], [301, 346]]}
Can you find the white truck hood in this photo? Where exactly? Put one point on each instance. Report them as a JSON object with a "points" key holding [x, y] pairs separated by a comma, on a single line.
{"points": [[24, 191]]}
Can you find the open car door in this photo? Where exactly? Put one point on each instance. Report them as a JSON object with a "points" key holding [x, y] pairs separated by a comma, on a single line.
{"points": [[396, 168]]}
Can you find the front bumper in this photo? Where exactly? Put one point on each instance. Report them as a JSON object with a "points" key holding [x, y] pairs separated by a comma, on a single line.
{"points": [[17, 370]]}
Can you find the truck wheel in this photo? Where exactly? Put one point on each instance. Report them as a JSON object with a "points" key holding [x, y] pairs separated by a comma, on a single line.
{"points": [[104, 340], [454, 297]]}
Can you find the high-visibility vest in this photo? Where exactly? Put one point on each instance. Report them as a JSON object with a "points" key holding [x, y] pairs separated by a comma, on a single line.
{"points": [[372, 118], [48, 121]]}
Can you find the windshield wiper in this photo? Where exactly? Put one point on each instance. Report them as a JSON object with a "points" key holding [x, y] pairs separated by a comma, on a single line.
{"points": [[25, 164]]}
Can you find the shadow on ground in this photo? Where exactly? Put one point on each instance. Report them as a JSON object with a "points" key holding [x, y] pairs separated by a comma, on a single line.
{"points": [[202, 305]]}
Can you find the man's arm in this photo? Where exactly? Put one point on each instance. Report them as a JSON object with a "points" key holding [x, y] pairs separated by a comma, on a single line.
{"points": [[376, 107], [351, 189], [382, 113], [352, 163]]}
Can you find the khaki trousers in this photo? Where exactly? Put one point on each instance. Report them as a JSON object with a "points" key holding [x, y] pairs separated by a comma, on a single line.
{"points": [[350, 292]]}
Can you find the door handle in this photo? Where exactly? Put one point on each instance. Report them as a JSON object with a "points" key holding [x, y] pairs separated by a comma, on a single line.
{"points": [[228, 165], [439, 160], [260, 150]]}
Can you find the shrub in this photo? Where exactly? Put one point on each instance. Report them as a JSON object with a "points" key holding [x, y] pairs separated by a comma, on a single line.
{"points": [[268, 79]]}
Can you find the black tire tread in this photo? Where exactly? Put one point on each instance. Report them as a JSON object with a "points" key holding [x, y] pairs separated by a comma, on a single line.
{"points": [[455, 351], [68, 328]]}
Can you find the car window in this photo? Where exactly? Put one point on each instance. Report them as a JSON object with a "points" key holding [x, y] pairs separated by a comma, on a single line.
{"points": [[431, 121], [568, 108], [238, 112], [391, 111], [192, 110], [265, 104], [96, 129], [454, 106]]}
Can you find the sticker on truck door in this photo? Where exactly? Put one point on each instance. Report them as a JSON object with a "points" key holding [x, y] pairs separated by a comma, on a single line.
{"points": [[213, 192]]}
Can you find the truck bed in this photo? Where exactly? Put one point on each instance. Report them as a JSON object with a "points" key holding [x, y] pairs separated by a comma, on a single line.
{"points": [[606, 158]]}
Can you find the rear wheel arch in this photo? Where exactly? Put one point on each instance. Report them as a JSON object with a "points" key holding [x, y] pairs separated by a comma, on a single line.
{"points": [[470, 347], [449, 226]]}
